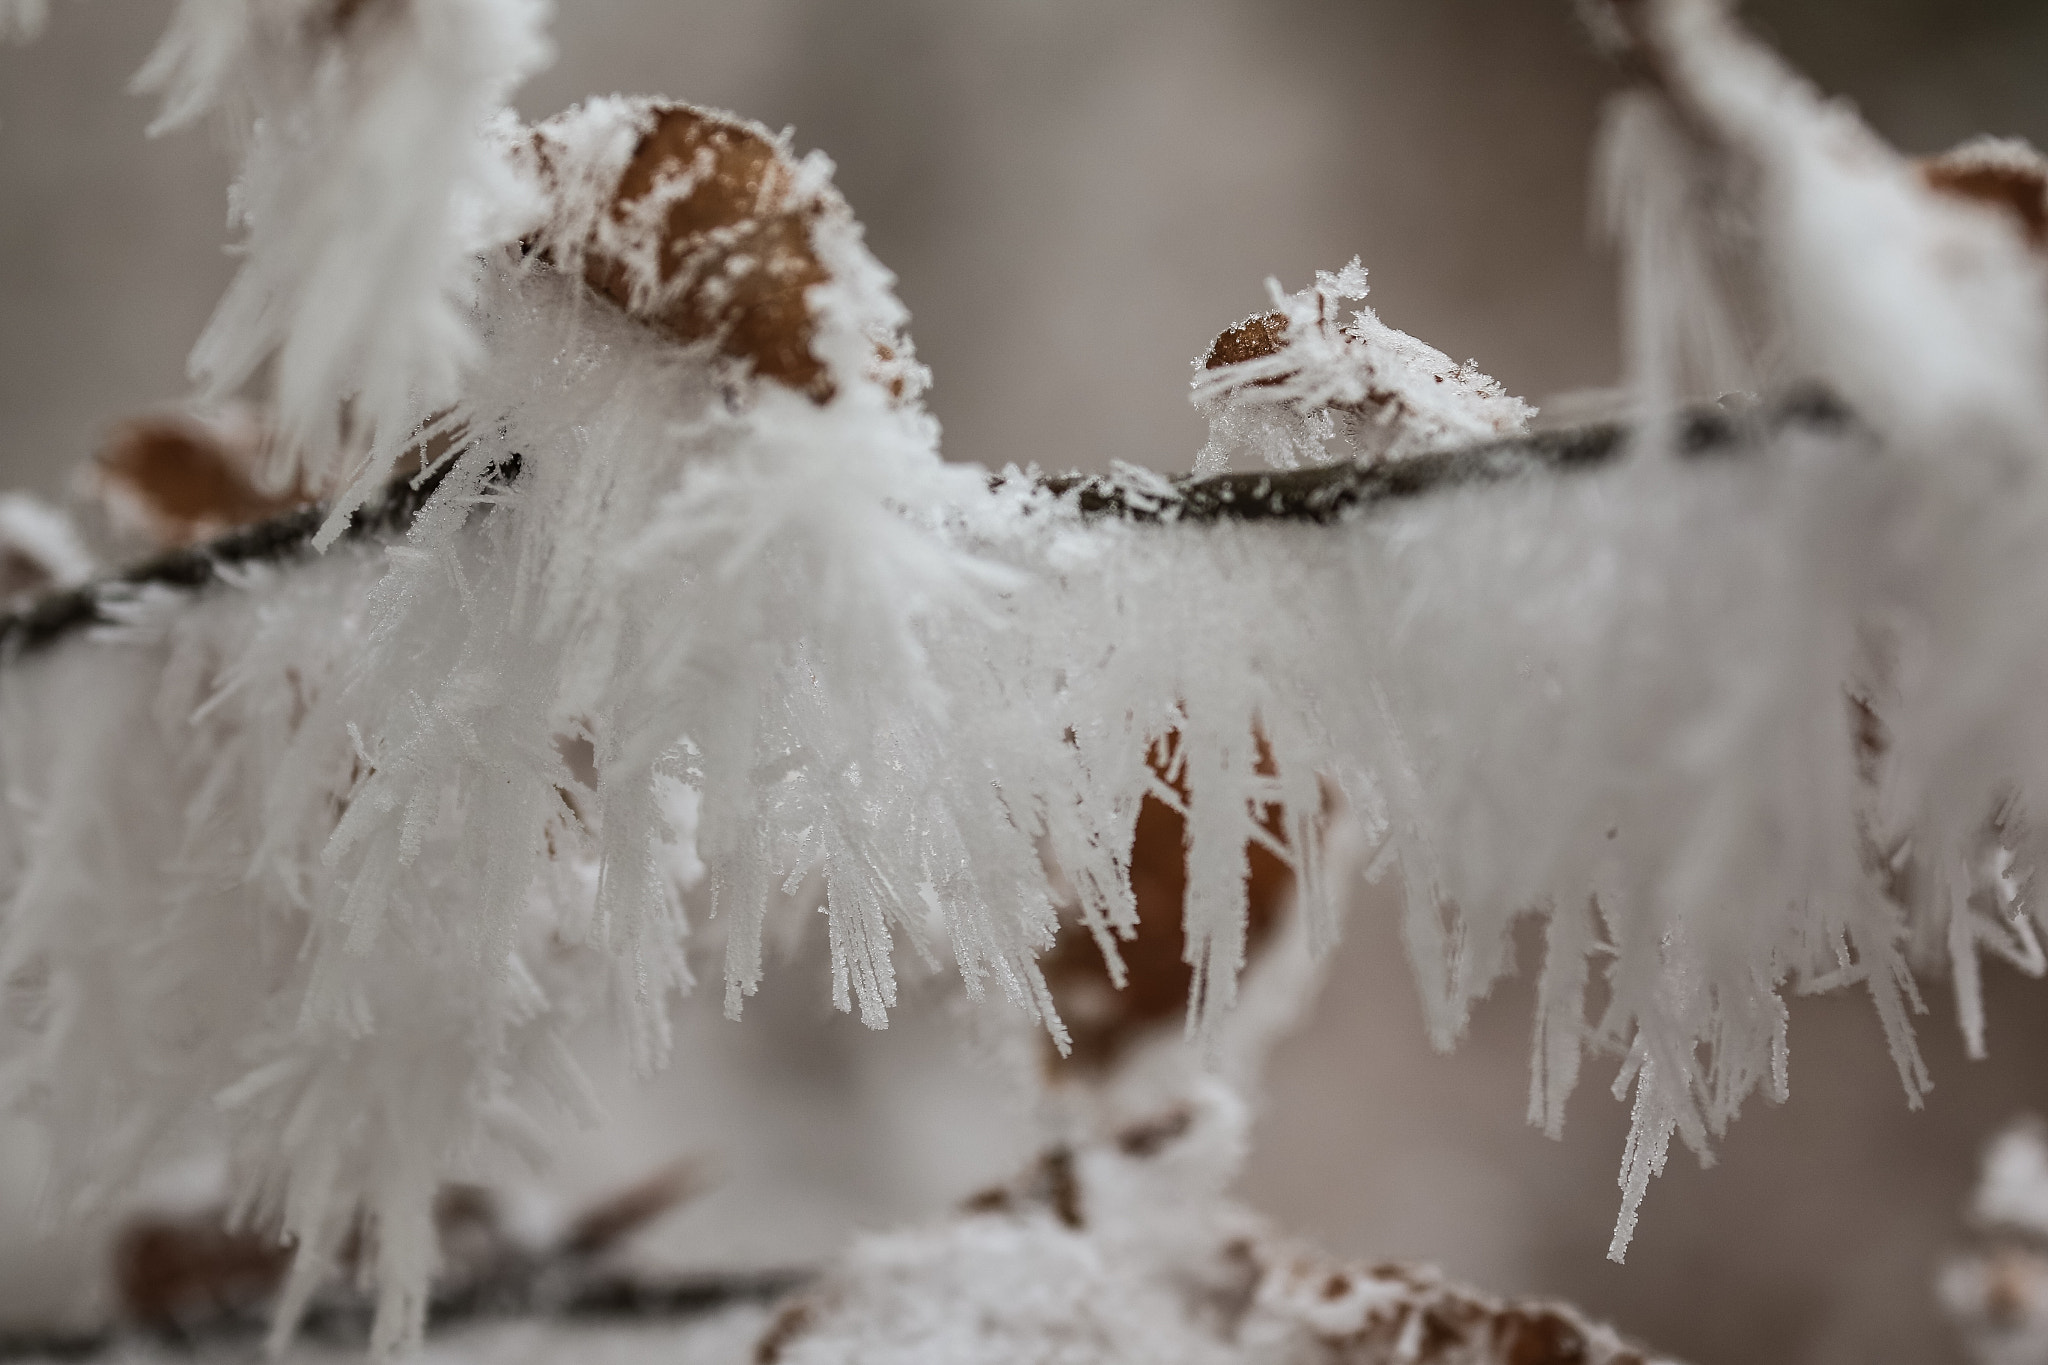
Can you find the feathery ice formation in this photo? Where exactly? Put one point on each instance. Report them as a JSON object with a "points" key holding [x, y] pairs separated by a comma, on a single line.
{"points": [[334, 857]]}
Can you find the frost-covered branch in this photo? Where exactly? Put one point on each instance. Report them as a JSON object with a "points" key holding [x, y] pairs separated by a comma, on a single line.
{"points": [[63, 613], [1324, 495], [1122, 1247], [379, 832]]}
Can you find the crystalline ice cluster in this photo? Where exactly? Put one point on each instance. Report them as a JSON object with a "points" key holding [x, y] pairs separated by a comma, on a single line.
{"points": [[332, 857]]}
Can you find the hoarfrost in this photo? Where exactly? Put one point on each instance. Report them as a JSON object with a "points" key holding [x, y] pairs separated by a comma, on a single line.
{"points": [[307, 851], [1296, 386], [370, 181], [1770, 240], [40, 549]]}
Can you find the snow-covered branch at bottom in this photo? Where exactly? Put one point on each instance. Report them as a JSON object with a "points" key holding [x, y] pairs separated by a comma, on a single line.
{"points": [[1119, 1249]]}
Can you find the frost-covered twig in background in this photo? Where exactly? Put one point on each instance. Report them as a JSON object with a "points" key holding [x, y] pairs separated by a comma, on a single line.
{"points": [[1998, 1294], [1121, 1247], [188, 1283], [77, 606], [40, 552]]}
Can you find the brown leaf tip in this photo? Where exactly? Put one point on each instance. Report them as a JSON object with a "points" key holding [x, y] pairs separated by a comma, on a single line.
{"points": [[735, 255], [172, 1272], [1258, 336], [1105, 1025], [2003, 173], [175, 480], [789, 1326]]}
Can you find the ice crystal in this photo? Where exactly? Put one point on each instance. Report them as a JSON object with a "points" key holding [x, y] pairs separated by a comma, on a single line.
{"points": [[307, 855], [371, 179]]}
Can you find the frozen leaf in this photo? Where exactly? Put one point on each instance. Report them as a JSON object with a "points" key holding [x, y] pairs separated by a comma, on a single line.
{"points": [[179, 479], [1302, 385]]}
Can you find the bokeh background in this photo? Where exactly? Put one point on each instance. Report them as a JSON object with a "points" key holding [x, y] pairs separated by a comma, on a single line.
{"points": [[1077, 195]]}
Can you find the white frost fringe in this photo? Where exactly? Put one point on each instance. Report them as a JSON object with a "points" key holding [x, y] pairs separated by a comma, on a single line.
{"points": [[1771, 238], [306, 857], [371, 179]]}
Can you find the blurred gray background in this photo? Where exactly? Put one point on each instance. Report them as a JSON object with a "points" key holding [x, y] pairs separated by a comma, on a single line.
{"points": [[1077, 195]]}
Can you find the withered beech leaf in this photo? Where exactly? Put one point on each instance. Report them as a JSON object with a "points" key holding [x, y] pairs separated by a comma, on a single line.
{"points": [[1260, 335], [1104, 1023], [710, 239], [177, 480], [2003, 174]]}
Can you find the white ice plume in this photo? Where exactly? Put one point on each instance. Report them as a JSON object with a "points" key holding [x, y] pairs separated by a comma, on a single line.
{"points": [[371, 180], [1771, 240]]}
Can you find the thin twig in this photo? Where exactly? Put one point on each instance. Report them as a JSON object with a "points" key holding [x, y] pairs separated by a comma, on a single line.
{"points": [[1322, 495], [539, 1291], [57, 615]]}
